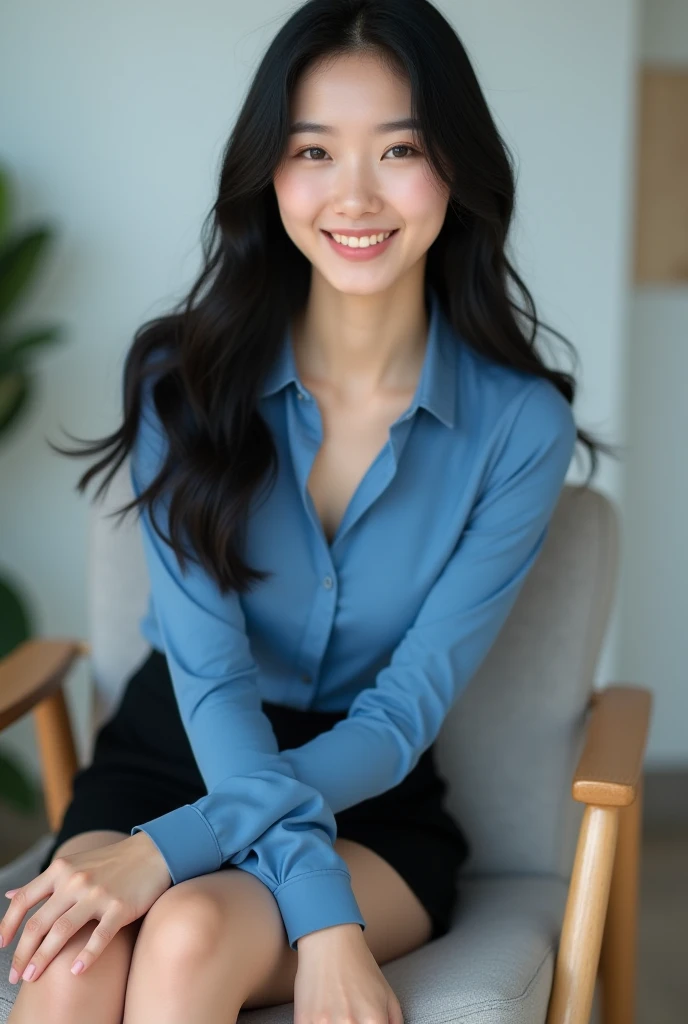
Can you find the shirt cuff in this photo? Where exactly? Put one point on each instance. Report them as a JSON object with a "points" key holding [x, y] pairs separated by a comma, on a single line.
{"points": [[317, 899], [185, 840]]}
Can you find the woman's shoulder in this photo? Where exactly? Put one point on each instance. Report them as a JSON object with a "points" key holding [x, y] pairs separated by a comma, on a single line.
{"points": [[505, 397]]}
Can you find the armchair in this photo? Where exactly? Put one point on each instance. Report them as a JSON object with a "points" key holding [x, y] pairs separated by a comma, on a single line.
{"points": [[544, 773]]}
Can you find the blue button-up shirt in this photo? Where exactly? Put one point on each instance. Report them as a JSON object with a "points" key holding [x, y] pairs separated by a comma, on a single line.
{"points": [[390, 621]]}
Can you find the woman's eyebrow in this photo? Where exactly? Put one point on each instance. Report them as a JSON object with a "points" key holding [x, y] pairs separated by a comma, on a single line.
{"points": [[378, 129]]}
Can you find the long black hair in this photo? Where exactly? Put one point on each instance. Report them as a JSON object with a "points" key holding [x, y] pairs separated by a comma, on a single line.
{"points": [[210, 354]]}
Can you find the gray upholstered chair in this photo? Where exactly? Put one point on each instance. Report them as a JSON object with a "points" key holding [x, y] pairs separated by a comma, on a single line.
{"points": [[545, 774]]}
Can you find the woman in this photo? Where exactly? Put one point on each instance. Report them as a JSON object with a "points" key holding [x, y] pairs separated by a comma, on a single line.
{"points": [[263, 819]]}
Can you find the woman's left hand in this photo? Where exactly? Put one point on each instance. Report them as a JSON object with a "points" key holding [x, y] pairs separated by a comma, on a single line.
{"points": [[115, 884], [338, 979]]}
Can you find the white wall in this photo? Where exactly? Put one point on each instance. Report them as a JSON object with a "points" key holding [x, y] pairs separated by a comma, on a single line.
{"points": [[114, 128], [654, 608]]}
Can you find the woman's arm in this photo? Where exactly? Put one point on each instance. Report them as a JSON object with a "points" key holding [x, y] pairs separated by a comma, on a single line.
{"points": [[390, 724], [251, 791]]}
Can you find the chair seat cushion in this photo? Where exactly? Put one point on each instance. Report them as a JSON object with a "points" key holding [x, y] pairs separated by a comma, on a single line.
{"points": [[494, 967]]}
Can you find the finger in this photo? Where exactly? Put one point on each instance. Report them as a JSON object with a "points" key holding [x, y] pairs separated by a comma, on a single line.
{"points": [[23, 898], [394, 1011], [63, 927], [35, 930], [108, 926]]}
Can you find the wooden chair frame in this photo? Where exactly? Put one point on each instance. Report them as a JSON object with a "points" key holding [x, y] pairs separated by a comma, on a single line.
{"points": [[600, 926]]}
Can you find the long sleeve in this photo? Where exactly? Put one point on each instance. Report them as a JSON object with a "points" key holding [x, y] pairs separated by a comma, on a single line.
{"points": [[390, 724], [252, 792]]}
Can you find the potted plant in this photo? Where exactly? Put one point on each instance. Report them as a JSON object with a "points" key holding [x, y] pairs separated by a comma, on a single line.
{"points": [[21, 254]]}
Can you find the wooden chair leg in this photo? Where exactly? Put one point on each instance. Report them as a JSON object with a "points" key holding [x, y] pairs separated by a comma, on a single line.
{"points": [[618, 960], [58, 755], [575, 970]]}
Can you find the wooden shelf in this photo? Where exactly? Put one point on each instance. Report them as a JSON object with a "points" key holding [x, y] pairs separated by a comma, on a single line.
{"points": [[661, 201]]}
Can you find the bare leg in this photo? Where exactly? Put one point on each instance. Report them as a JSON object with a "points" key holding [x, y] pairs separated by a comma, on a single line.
{"points": [[215, 944], [96, 997]]}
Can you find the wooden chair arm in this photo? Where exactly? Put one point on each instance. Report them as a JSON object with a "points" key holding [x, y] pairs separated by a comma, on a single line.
{"points": [[33, 671], [600, 926], [611, 763], [31, 679]]}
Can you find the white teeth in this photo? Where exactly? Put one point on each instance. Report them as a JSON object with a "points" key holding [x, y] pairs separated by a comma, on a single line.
{"points": [[361, 243]]}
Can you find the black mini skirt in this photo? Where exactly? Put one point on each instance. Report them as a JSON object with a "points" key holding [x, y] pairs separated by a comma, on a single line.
{"points": [[143, 766]]}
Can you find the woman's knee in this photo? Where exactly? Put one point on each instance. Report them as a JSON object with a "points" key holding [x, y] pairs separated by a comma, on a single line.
{"points": [[183, 928], [225, 925]]}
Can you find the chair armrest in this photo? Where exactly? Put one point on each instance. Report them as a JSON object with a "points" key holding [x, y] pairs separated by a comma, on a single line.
{"points": [[610, 766], [33, 671], [603, 891], [31, 679]]}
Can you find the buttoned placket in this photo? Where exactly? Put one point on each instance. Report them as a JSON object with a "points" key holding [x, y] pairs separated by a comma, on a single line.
{"points": [[321, 620], [322, 617]]}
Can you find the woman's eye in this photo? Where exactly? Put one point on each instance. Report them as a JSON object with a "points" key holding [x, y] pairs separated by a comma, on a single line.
{"points": [[319, 149], [311, 149], [403, 145]]}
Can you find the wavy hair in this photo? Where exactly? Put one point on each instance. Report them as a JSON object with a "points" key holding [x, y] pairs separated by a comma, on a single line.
{"points": [[212, 351]]}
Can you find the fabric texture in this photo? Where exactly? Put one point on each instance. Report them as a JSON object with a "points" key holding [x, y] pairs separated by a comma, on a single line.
{"points": [[388, 623]]}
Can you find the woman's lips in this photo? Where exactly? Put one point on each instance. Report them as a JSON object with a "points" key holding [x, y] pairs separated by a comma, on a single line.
{"points": [[369, 252]]}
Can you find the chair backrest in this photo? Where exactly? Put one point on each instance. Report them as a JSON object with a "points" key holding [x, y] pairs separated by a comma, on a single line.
{"points": [[509, 745]]}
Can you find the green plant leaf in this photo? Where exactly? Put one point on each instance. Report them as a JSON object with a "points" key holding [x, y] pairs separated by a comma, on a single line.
{"points": [[19, 261], [15, 354], [15, 390], [15, 624], [16, 789], [5, 198]]}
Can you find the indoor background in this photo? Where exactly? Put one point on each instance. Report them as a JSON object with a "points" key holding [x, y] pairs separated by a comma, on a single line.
{"points": [[112, 122]]}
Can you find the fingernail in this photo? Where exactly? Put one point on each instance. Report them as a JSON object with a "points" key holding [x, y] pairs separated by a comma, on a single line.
{"points": [[2, 942], [78, 967], [10, 892], [14, 976], [29, 972]]}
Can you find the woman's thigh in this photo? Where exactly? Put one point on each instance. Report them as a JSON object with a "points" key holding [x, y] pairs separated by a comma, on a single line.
{"points": [[233, 917]]}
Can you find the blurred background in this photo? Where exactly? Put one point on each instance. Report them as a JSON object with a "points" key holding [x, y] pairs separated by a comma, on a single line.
{"points": [[112, 123]]}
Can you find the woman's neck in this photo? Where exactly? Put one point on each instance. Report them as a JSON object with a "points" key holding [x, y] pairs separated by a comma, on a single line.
{"points": [[361, 345]]}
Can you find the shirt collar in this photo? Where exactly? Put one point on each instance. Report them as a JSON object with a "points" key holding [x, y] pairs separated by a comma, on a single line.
{"points": [[436, 390]]}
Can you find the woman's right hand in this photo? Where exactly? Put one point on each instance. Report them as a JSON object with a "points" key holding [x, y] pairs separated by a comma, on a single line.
{"points": [[113, 884], [338, 979]]}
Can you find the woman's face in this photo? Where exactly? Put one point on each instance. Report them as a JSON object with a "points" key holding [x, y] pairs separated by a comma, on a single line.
{"points": [[357, 175]]}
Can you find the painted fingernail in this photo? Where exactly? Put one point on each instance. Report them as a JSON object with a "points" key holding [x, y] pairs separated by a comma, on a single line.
{"points": [[78, 967], [29, 972], [14, 976]]}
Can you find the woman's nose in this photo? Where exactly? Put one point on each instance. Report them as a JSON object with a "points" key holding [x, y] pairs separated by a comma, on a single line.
{"points": [[356, 186]]}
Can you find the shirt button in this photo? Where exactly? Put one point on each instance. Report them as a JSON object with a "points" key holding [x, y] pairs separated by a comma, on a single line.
{"points": [[327, 582], [299, 395], [305, 678]]}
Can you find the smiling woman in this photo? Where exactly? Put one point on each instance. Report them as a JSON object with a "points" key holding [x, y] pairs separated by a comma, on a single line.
{"points": [[353, 341]]}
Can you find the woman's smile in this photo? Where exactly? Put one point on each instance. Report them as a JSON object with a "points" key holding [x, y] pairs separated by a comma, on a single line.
{"points": [[360, 249]]}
